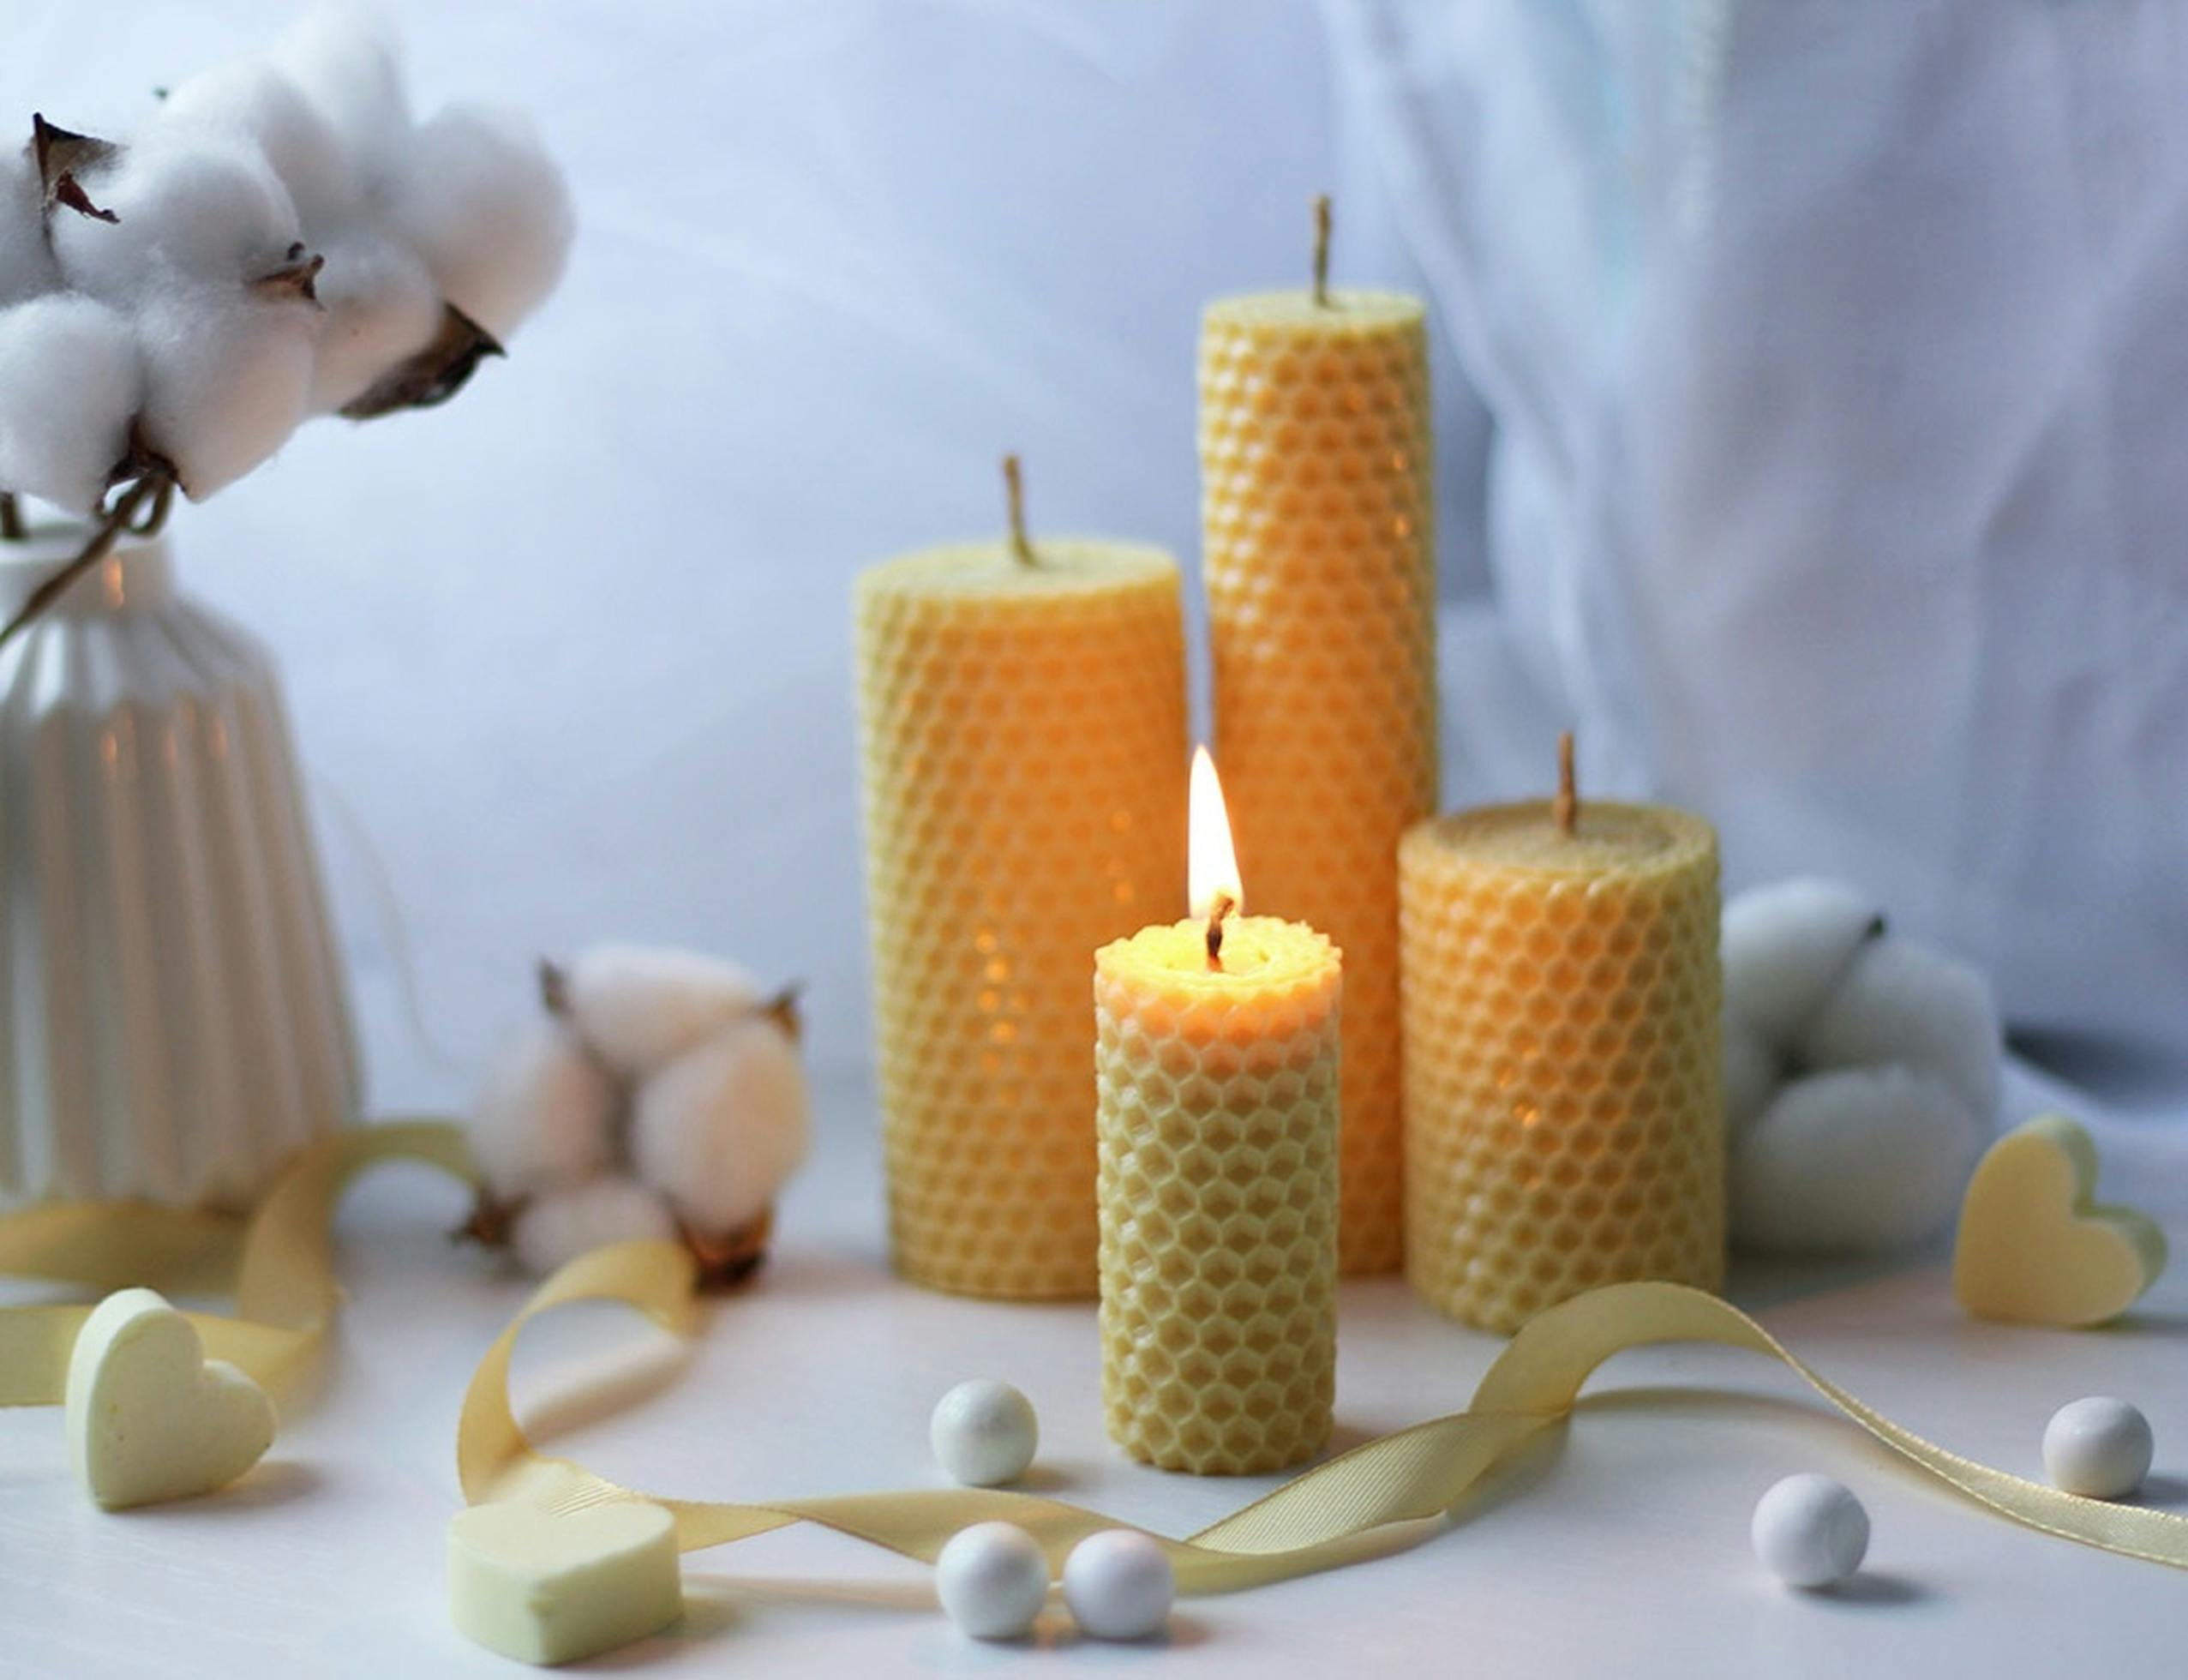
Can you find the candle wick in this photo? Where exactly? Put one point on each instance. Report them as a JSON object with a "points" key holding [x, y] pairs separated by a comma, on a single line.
{"points": [[1567, 806], [1225, 903], [1321, 250], [1013, 484]]}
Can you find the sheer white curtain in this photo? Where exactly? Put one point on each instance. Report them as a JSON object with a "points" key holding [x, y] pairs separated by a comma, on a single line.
{"points": [[1840, 403]]}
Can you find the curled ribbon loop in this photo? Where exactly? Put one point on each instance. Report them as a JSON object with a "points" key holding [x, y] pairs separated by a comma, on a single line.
{"points": [[279, 1264], [1357, 1505]]}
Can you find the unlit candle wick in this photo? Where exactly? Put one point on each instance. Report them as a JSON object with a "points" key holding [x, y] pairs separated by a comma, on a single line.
{"points": [[1567, 807]]}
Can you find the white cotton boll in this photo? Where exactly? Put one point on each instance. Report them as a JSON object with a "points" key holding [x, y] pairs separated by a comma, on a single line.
{"points": [[227, 374], [382, 309], [1858, 1161], [1788, 944], [545, 1118], [638, 1006], [720, 1129], [71, 379], [254, 103], [1901, 1002], [489, 210], [554, 1229], [1751, 1074], [347, 62], [26, 265], [194, 207]]}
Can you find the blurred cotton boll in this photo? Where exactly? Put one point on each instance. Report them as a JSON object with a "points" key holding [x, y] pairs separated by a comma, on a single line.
{"points": [[545, 1119], [257, 104], [1787, 944], [720, 1129], [1861, 1073], [71, 379], [1856, 1159], [382, 309], [347, 61], [228, 374], [487, 210], [1906, 1003], [26, 264], [188, 207], [554, 1229], [640, 1006]]}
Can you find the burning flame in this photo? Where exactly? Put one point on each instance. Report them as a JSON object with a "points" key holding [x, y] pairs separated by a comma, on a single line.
{"points": [[1212, 863]]}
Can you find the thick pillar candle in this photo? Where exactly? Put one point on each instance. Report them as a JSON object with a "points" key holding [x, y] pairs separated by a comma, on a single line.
{"points": [[1218, 1129], [1316, 479], [1564, 1119], [1022, 713]]}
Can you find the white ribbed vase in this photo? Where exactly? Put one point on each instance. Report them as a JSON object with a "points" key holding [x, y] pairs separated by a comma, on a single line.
{"points": [[173, 1022]]}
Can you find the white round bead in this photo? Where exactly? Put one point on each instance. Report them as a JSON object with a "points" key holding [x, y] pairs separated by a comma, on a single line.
{"points": [[1810, 1531], [1119, 1584], [992, 1579], [984, 1433], [2099, 1447]]}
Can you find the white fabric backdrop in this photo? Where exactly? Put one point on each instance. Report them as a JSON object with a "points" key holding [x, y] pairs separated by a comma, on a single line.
{"points": [[1836, 355], [1832, 348]]}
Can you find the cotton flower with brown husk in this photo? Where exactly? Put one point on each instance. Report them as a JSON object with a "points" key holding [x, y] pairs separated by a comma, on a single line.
{"points": [[659, 1094], [281, 239]]}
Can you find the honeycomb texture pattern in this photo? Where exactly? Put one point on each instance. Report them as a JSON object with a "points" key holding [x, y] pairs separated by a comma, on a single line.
{"points": [[1023, 733], [1563, 1120], [1316, 469], [1218, 1129]]}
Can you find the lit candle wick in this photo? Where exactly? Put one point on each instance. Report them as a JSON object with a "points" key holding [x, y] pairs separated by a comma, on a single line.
{"points": [[1224, 904], [1014, 485], [1567, 807]]}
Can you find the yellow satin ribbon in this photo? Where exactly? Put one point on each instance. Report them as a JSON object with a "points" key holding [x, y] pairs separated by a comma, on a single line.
{"points": [[278, 1264], [1355, 1505], [1334, 1513]]}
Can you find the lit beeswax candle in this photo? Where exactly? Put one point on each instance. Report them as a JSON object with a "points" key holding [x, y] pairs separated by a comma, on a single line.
{"points": [[1317, 501], [1216, 1064], [1564, 1120], [1023, 710]]}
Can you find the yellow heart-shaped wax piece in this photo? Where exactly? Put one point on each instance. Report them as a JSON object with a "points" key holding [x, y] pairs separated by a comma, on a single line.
{"points": [[150, 1418], [551, 1587], [2034, 1249]]}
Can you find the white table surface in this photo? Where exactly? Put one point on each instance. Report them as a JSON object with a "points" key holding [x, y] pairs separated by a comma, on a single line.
{"points": [[1620, 1547]]}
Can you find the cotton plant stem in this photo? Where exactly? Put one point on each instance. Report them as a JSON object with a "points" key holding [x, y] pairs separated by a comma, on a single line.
{"points": [[149, 496]]}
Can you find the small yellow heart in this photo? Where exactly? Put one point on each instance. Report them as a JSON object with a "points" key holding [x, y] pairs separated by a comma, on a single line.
{"points": [[150, 1418], [2035, 1248], [552, 1587]]}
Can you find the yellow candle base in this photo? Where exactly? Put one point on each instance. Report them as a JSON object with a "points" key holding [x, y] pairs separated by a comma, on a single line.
{"points": [[1217, 1134], [1317, 479], [1564, 1119], [1024, 733]]}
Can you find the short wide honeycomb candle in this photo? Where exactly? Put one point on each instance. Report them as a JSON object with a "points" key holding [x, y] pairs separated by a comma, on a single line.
{"points": [[1316, 475], [1218, 1128], [1024, 738], [1564, 1123]]}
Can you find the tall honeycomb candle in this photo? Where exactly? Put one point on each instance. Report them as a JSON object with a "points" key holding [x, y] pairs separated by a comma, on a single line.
{"points": [[1022, 716], [1564, 1122], [1316, 503], [1217, 1068]]}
